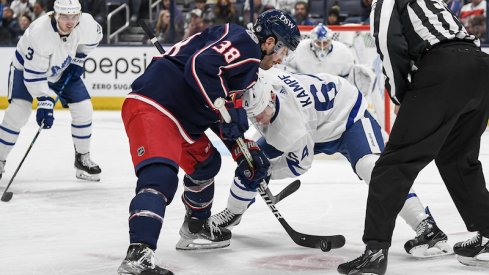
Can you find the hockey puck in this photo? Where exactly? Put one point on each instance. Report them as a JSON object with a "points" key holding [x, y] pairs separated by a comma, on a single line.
{"points": [[325, 245]]}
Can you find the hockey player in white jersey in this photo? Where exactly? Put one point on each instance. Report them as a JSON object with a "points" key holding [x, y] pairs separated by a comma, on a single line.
{"points": [[321, 54], [299, 116], [49, 60]]}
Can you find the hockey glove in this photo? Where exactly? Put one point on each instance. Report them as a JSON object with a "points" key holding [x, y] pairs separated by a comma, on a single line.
{"points": [[76, 68], [251, 178], [44, 115], [238, 124]]}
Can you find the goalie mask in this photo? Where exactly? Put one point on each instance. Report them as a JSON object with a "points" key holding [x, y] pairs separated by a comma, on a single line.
{"points": [[321, 39]]}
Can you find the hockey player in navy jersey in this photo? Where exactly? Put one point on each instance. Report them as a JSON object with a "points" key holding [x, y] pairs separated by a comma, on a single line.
{"points": [[299, 116], [165, 117], [49, 54]]}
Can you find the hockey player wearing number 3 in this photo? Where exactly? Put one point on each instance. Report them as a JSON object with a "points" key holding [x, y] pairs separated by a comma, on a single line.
{"points": [[299, 116], [166, 115], [52, 50]]}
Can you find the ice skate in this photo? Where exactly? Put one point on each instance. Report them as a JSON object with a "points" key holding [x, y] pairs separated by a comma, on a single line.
{"points": [[140, 260], [2, 167], [86, 169], [474, 251], [202, 234], [430, 241], [226, 219], [371, 262]]}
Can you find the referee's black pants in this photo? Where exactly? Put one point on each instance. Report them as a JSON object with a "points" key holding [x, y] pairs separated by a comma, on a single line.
{"points": [[442, 117]]}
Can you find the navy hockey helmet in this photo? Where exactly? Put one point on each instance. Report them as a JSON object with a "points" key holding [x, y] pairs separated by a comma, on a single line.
{"points": [[280, 25]]}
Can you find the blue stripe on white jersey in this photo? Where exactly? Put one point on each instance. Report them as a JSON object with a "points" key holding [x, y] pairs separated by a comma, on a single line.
{"points": [[354, 111]]}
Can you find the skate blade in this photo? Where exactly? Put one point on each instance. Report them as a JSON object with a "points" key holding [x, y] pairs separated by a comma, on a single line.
{"points": [[82, 175], [479, 260], [438, 250], [200, 244], [128, 268]]}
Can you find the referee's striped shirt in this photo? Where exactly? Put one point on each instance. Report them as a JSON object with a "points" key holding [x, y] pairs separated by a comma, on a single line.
{"points": [[404, 30]]}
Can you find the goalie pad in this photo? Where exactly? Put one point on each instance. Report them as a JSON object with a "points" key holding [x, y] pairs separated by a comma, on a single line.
{"points": [[363, 78]]}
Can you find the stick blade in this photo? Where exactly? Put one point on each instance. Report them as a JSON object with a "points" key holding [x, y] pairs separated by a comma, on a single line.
{"points": [[288, 190], [7, 196]]}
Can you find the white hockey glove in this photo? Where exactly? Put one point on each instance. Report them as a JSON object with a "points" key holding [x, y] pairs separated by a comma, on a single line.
{"points": [[363, 78]]}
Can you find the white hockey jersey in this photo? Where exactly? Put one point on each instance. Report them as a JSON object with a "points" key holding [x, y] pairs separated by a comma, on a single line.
{"points": [[309, 109], [43, 54], [339, 60]]}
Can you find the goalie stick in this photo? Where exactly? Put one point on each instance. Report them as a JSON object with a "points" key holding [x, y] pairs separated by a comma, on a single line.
{"points": [[325, 243]]}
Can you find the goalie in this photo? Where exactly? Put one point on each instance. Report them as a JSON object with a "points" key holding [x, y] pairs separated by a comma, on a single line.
{"points": [[321, 54]]}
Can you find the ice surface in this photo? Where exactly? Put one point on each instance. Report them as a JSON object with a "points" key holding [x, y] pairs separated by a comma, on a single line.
{"points": [[56, 224]]}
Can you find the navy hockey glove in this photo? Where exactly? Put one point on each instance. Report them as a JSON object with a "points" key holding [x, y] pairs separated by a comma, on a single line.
{"points": [[251, 177], [44, 115], [238, 124]]}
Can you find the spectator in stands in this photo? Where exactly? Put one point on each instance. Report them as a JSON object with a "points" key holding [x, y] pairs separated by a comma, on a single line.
{"points": [[24, 23], [9, 28], [207, 12], [224, 12], [163, 29], [98, 9], [20, 7], [455, 6], [477, 27], [476, 7], [49, 4], [3, 3], [135, 8], [286, 5], [179, 18], [366, 8], [333, 17], [259, 6], [38, 10], [196, 23], [301, 14]]}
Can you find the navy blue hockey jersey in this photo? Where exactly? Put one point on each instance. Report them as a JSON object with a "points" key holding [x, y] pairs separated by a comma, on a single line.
{"points": [[194, 72]]}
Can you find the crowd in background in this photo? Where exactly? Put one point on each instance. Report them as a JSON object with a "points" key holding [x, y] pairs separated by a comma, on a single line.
{"points": [[191, 17]]}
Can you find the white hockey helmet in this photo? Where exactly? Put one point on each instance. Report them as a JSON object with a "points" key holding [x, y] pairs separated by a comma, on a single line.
{"points": [[67, 7], [321, 39], [258, 97]]}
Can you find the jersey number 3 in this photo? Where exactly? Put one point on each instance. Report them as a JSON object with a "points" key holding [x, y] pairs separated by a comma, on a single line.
{"points": [[229, 52], [29, 54]]}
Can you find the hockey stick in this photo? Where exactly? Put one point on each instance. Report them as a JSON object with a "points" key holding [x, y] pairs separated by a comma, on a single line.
{"points": [[325, 243], [291, 188], [287, 191], [151, 36], [7, 196]]}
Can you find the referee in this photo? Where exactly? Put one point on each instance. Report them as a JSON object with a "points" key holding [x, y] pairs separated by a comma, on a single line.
{"points": [[438, 77]]}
